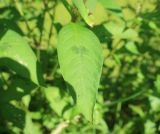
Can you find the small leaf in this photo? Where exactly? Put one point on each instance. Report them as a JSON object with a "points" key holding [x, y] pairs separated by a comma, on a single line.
{"points": [[85, 13], [80, 58], [137, 109], [16, 54], [116, 29], [31, 127], [155, 103], [113, 7], [149, 127], [157, 83], [131, 47], [129, 34], [56, 100], [110, 4]]}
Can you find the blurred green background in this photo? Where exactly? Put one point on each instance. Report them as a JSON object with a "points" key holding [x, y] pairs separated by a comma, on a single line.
{"points": [[128, 100]]}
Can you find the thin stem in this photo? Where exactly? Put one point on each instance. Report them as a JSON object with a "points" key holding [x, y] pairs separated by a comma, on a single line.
{"points": [[113, 49], [68, 7], [125, 99], [54, 69]]}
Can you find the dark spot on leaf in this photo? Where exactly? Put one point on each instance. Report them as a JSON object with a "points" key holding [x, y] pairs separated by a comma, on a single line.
{"points": [[84, 1], [81, 50], [89, 14]]}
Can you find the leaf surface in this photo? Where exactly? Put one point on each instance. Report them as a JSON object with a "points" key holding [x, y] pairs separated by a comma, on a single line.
{"points": [[16, 54], [85, 11], [110, 4], [80, 58]]}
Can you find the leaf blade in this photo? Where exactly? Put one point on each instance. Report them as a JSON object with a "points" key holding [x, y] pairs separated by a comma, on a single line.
{"points": [[80, 58], [16, 54], [84, 10]]}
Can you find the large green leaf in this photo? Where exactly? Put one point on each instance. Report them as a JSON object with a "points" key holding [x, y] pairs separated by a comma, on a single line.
{"points": [[80, 58], [16, 54]]}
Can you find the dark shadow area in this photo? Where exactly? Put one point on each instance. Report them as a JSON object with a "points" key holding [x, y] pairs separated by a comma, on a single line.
{"points": [[21, 70], [58, 27], [72, 92], [15, 66], [17, 88], [102, 33], [9, 21], [40, 74]]}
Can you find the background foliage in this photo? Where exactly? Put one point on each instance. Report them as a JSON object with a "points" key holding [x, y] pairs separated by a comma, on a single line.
{"points": [[128, 100]]}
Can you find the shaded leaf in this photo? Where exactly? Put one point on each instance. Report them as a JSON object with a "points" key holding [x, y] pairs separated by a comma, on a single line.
{"points": [[16, 90]]}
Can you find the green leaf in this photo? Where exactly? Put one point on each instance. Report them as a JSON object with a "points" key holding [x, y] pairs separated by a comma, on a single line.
{"points": [[31, 127], [131, 47], [56, 100], [155, 103], [129, 34], [85, 13], [149, 127], [16, 54], [115, 28], [80, 58], [137, 109], [157, 83], [110, 4], [118, 31], [91, 5]]}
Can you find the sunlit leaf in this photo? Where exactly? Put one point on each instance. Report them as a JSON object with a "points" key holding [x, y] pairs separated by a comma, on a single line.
{"points": [[80, 58], [130, 34], [30, 127], [115, 28], [150, 127], [131, 47], [155, 103], [91, 5], [157, 83], [110, 4], [137, 109], [16, 54], [85, 13]]}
